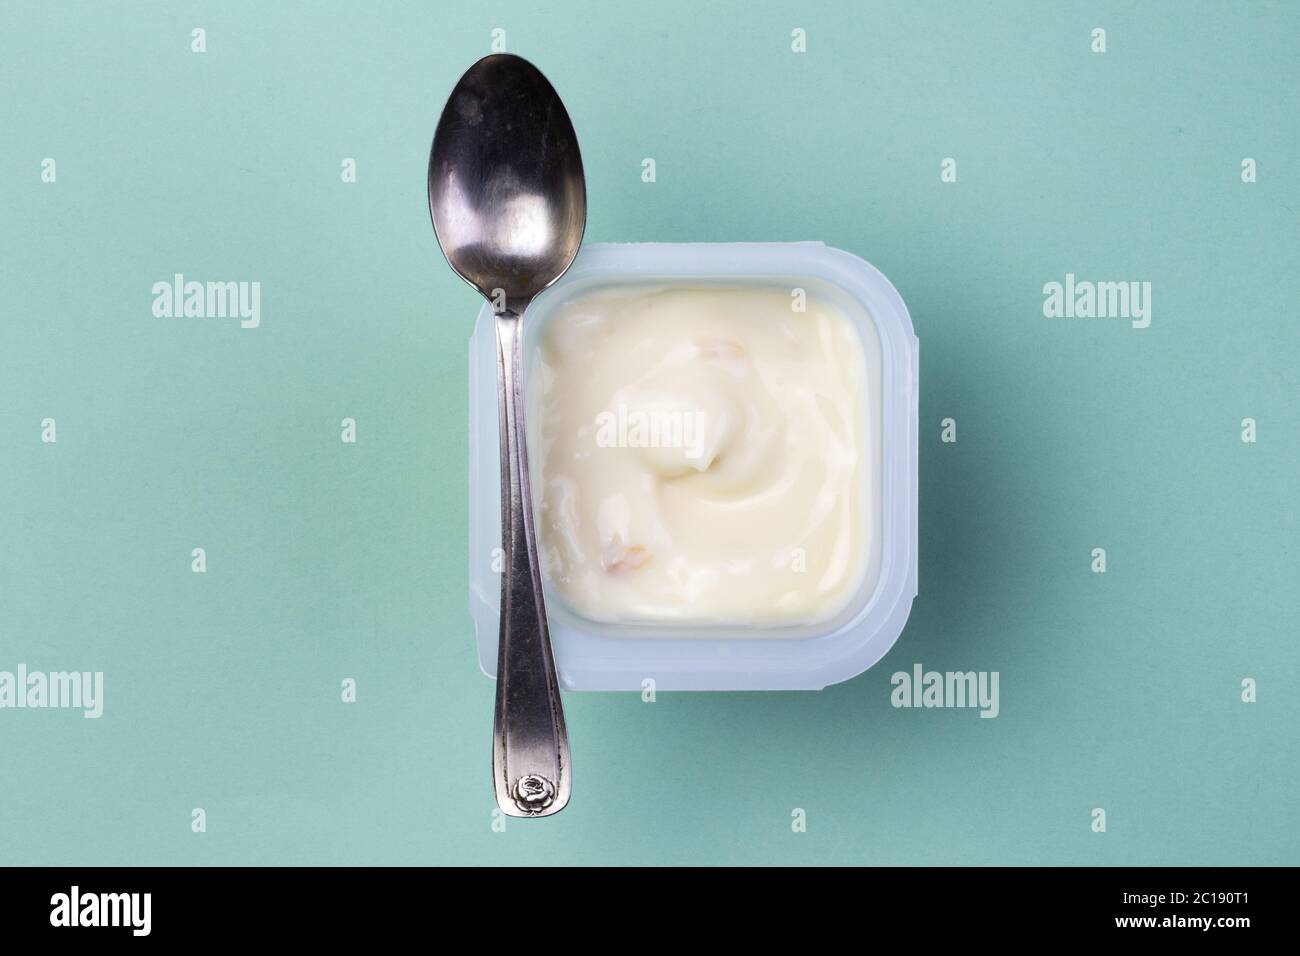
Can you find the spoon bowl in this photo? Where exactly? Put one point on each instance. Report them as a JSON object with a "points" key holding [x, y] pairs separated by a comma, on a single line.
{"points": [[506, 187]]}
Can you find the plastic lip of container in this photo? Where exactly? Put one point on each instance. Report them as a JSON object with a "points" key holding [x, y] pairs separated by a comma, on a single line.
{"points": [[601, 656]]}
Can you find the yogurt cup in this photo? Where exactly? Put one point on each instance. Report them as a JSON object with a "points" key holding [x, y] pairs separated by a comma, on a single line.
{"points": [[603, 656]]}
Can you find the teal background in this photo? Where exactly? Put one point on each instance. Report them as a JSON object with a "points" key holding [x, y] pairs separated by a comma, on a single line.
{"points": [[328, 560]]}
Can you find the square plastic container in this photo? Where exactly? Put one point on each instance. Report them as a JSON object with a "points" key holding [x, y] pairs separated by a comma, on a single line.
{"points": [[601, 656]]}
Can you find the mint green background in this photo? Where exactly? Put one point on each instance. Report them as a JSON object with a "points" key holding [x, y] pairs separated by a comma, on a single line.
{"points": [[329, 560]]}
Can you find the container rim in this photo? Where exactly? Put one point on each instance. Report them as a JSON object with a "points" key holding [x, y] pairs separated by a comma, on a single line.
{"points": [[586, 656]]}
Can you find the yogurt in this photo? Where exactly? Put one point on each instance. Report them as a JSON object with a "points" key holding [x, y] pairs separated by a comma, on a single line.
{"points": [[700, 454]]}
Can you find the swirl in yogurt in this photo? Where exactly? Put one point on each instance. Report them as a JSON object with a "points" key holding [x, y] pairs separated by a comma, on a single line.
{"points": [[701, 455]]}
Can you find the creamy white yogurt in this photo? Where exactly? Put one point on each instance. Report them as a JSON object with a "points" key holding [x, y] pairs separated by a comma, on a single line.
{"points": [[704, 454]]}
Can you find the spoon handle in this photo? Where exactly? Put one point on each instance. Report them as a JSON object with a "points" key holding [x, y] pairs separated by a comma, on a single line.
{"points": [[530, 751]]}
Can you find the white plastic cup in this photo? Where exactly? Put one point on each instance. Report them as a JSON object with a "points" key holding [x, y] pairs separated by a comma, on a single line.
{"points": [[601, 656]]}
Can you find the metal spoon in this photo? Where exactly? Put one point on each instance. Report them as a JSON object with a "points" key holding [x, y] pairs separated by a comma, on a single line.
{"points": [[509, 206]]}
